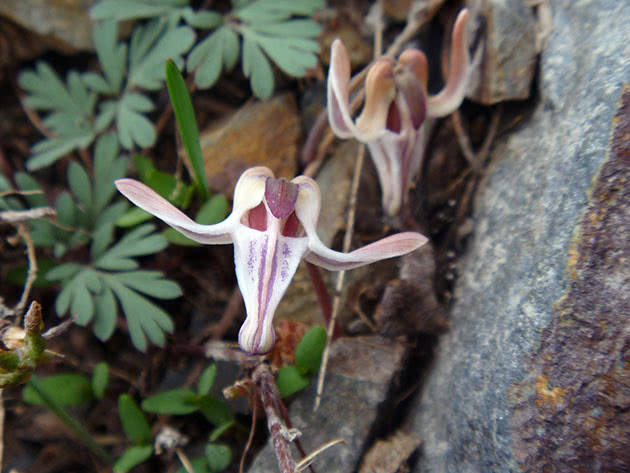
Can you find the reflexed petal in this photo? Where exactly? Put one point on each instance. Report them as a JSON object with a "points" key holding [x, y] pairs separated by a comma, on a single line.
{"points": [[338, 92], [389, 247], [147, 199], [265, 264], [453, 93]]}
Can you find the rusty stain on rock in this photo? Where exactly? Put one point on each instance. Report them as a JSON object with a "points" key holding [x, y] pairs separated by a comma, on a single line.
{"points": [[573, 411]]}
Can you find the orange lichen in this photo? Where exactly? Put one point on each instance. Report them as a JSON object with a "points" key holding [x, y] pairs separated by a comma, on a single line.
{"points": [[548, 396]]}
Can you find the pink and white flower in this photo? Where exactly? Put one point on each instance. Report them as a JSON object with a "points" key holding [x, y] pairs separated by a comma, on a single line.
{"points": [[272, 226], [396, 107]]}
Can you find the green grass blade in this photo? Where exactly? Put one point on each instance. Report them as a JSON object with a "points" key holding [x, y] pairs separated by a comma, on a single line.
{"points": [[185, 116]]}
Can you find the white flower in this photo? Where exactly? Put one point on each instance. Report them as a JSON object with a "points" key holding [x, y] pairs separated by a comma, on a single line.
{"points": [[396, 106], [272, 226]]}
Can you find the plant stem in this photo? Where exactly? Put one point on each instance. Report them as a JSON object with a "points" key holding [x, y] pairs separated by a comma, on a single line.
{"points": [[72, 424]]}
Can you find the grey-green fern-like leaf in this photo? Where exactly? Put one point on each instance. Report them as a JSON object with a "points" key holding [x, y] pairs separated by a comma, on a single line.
{"points": [[141, 241], [151, 45], [256, 66], [131, 9]]}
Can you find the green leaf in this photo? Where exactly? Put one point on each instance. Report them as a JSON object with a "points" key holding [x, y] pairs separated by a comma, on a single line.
{"points": [[291, 28], [179, 401], [132, 125], [104, 314], [187, 125], [256, 66], [80, 184], [133, 217], [219, 457], [100, 378], [49, 150], [131, 457], [111, 54], [26, 182], [140, 241], [206, 380], [63, 271], [66, 210], [143, 317], [101, 239], [206, 60], [133, 420], [81, 304], [216, 411], [151, 46], [131, 9], [220, 430], [151, 283], [290, 380], [65, 389], [108, 167], [204, 19], [269, 11], [293, 57], [213, 210], [111, 214], [308, 354]]}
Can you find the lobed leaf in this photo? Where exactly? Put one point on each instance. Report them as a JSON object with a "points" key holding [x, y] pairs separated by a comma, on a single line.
{"points": [[256, 66], [131, 9]]}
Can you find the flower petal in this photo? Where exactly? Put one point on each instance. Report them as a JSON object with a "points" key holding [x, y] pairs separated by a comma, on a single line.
{"points": [[380, 91], [389, 247], [453, 93], [250, 189], [265, 264], [147, 199], [339, 114], [307, 211]]}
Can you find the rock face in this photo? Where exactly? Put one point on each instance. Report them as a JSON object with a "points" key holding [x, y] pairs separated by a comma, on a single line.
{"points": [[534, 373], [508, 64]]}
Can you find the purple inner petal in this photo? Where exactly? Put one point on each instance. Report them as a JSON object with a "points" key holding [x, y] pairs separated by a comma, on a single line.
{"points": [[280, 196], [257, 218]]}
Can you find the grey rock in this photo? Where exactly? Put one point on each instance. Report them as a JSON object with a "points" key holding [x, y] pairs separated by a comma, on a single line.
{"points": [[531, 376], [360, 372], [509, 49]]}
